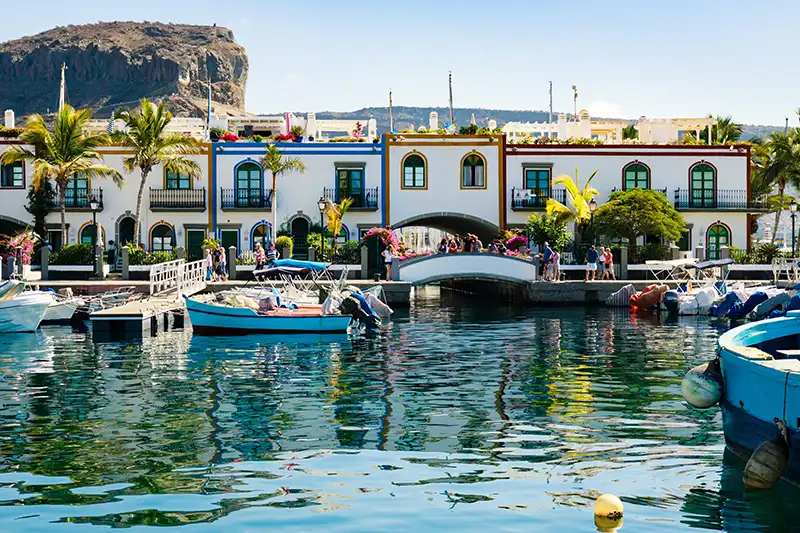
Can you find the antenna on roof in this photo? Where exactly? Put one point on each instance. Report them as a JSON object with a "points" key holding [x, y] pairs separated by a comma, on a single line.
{"points": [[62, 91], [450, 82]]}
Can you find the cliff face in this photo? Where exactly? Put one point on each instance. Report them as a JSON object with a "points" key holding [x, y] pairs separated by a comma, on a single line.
{"points": [[114, 64]]}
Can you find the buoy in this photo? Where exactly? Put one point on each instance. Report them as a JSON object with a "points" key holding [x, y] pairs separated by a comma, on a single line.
{"points": [[605, 524], [608, 506], [702, 385], [765, 466]]}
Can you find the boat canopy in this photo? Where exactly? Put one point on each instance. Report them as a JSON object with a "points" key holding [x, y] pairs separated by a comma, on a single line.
{"points": [[295, 263], [711, 264]]}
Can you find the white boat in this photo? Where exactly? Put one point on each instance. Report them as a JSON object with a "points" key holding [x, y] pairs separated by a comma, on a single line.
{"points": [[61, 311], [217, 319], [21, 312]]}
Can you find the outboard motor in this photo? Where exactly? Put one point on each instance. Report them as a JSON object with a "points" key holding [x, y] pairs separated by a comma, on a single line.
{"points": [[670, 301], [351, 306]]}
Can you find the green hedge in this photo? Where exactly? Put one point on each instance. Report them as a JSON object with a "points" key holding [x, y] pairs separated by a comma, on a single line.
{"points": [[138, 256], [73, 254]]}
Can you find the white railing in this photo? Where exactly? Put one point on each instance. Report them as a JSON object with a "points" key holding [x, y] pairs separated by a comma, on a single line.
{"points": [[179, 276]]}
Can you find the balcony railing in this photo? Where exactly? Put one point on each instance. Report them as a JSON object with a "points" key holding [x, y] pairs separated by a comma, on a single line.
{"points": [[80, 198], [246, 198], [185, 199], [718, 199], [529, 199], [366, 199]]}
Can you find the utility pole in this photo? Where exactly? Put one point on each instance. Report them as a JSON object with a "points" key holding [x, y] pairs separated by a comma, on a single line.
{"points": [[575, 103], [786, 127], [550, 114], [62, 91], [391, 118], [450, 81]]}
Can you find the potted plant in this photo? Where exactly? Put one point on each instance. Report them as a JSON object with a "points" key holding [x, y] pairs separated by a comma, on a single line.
{"points": [[229, 138], [298, 131]]}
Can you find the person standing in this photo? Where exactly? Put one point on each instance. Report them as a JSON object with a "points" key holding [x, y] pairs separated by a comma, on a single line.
{"points": [[546, 257], [209, 264], [443, 246], [222, 267], [476, 245], [555, 264], [608, 271], [261, 257], [591, 263], [388, 256], [272, 254]]}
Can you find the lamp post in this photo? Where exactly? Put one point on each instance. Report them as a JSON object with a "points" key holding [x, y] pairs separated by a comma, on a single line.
{"points": [[94, 205], [793, 209], [321, 205], [592, 207]]}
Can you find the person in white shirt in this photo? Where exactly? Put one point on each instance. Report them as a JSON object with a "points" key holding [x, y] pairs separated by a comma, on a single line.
{"points": [[209, 264], [388, 255]]}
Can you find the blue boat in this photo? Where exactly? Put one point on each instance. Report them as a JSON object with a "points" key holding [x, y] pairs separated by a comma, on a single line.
{"points": [[760, 399]]}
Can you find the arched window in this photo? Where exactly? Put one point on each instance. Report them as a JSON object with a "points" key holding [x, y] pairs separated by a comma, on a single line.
{"points": [[175, 180], [636, 175], [78, 193], [249, 186], [473, 172], [703, 186], [718, 236], [87, 234], [261, 233], [161, 238], [12, 176], [414, 172]]}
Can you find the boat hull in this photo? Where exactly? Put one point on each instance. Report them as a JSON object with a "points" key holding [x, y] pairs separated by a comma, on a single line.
{"points": [[60, 312], [24, 313], [210, 319]]}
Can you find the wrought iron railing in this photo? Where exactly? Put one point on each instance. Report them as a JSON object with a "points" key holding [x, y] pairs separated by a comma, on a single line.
{"points": [[362, 198], [531, 199], [178, 198], [717, 199], [79, 198], [246, 198]]}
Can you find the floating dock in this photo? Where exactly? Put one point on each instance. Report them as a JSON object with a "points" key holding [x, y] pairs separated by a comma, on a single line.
{"points": [[138, 319]]}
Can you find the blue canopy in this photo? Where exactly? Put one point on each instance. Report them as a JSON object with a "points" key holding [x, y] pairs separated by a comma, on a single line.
{"points": [[294, 263]]}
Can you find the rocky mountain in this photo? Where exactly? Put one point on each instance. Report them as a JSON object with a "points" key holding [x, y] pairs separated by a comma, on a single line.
{"points": [[406, 117], [114, 64]]}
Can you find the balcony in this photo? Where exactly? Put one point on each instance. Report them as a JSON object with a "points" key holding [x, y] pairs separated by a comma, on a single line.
{"points": [[719, 200], [528, 200], [363, 200], [78, 199], [246, 199], [178, 199]]}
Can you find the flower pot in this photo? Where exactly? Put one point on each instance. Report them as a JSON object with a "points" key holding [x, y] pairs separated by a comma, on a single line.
{"points": [[298, 139]]}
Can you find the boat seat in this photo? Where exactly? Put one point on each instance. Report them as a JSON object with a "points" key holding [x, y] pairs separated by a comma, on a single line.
{"points": [[751, 352], [787, 365]]}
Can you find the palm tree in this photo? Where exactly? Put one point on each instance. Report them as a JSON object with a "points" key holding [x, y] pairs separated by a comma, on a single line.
{"points": [[62, 153], [724, 131], [630, 132], [578, 201], [152, 145], [335, 215], [777, 166], [277, 164]]}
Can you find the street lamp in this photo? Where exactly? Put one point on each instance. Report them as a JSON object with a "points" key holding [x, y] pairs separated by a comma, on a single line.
{"points": [[95, 205], [592, 207], [793, 209], [321, 205]]}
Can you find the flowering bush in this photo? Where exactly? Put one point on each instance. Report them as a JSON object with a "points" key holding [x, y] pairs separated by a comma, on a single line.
{"points": [[358, 130], [229, 138], [285, 137], [516, 242], [386, 236], [414, 255], [21, 244]]}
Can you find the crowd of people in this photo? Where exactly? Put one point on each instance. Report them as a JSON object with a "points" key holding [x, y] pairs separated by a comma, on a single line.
{"points": [[601, 261], [455, 244]]}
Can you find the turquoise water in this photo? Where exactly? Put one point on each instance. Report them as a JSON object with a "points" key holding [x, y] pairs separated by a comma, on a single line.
{"points": [[462, 415]]}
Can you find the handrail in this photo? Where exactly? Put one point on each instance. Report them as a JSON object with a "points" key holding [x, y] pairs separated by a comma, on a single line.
{"points": [[182, 277]]}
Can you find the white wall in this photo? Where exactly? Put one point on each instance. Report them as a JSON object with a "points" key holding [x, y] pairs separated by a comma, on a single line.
{"points": [[13, 201]]}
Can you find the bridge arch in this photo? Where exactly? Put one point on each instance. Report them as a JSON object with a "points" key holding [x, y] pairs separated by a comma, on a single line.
{"points": [[458, 223], [472, 266], [10, 225]]}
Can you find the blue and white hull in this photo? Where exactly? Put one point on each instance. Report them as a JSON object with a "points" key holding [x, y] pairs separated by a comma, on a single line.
{"points": [[214, 319]]}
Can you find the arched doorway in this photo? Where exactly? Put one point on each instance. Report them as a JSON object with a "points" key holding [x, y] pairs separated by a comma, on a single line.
{"points": [[300, 234], [261, 234], [718, 236], [126, 227]]}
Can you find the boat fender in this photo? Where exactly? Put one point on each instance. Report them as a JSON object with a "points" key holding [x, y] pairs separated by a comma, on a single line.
{"points": [[608, 513], [702, 386], [769, 460]]}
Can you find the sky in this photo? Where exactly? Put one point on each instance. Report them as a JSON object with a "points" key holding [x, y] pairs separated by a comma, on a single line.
{"points": [[628, 58]]}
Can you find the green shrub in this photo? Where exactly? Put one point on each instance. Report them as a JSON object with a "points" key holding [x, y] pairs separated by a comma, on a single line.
{"points": [[211, 244], [348, 253], [137, 256], [284, 241], [73, 254]]}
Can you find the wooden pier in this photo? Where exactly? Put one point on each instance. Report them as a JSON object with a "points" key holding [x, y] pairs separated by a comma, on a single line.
{"points": [[138, 319]]}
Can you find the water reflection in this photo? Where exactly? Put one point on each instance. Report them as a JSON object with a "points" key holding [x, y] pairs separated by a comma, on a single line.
{"points": [[523, 414]]}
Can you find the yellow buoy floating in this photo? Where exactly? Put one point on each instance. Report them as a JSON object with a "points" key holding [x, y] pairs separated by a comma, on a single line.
{"points": [[702, 385], [608, 513]]}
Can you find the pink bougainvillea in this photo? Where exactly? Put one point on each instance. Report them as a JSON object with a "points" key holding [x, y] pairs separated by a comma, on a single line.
{"points": [[386, 236], [516, 242], [413, 255], [20, 245]]}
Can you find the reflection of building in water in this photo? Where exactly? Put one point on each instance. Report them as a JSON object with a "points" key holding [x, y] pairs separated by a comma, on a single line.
{"points": [[419, 238]]}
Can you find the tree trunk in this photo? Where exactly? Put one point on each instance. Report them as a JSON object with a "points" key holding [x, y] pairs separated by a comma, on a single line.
{"points": [[137, 224], [62, 199], [778, 213], [274, 208]]}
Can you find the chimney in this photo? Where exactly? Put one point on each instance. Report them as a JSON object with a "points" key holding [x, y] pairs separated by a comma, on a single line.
{"points": [[433, 121], [9, 122]]}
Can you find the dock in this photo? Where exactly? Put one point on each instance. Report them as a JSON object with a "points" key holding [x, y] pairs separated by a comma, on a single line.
{"points": [[138, 318]]}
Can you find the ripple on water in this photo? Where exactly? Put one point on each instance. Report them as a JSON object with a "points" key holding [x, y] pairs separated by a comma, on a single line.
{"points": [[460, 414]]}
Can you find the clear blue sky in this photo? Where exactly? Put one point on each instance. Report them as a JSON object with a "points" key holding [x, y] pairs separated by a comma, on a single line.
{"points": [[628, 58]]}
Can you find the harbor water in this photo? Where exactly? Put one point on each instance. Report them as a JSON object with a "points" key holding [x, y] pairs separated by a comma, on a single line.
{"points": [[461, 415]]}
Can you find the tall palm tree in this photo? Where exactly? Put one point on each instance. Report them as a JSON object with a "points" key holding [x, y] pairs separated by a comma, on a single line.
{"points": [[151, 145], [61, 153], [334, 213], [274, 162], [578, 200], [724, 131], [778, 166]]}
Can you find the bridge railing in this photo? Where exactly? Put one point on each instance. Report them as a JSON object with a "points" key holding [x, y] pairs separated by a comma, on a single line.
{"points": [[437, 267], [179, 276]]}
